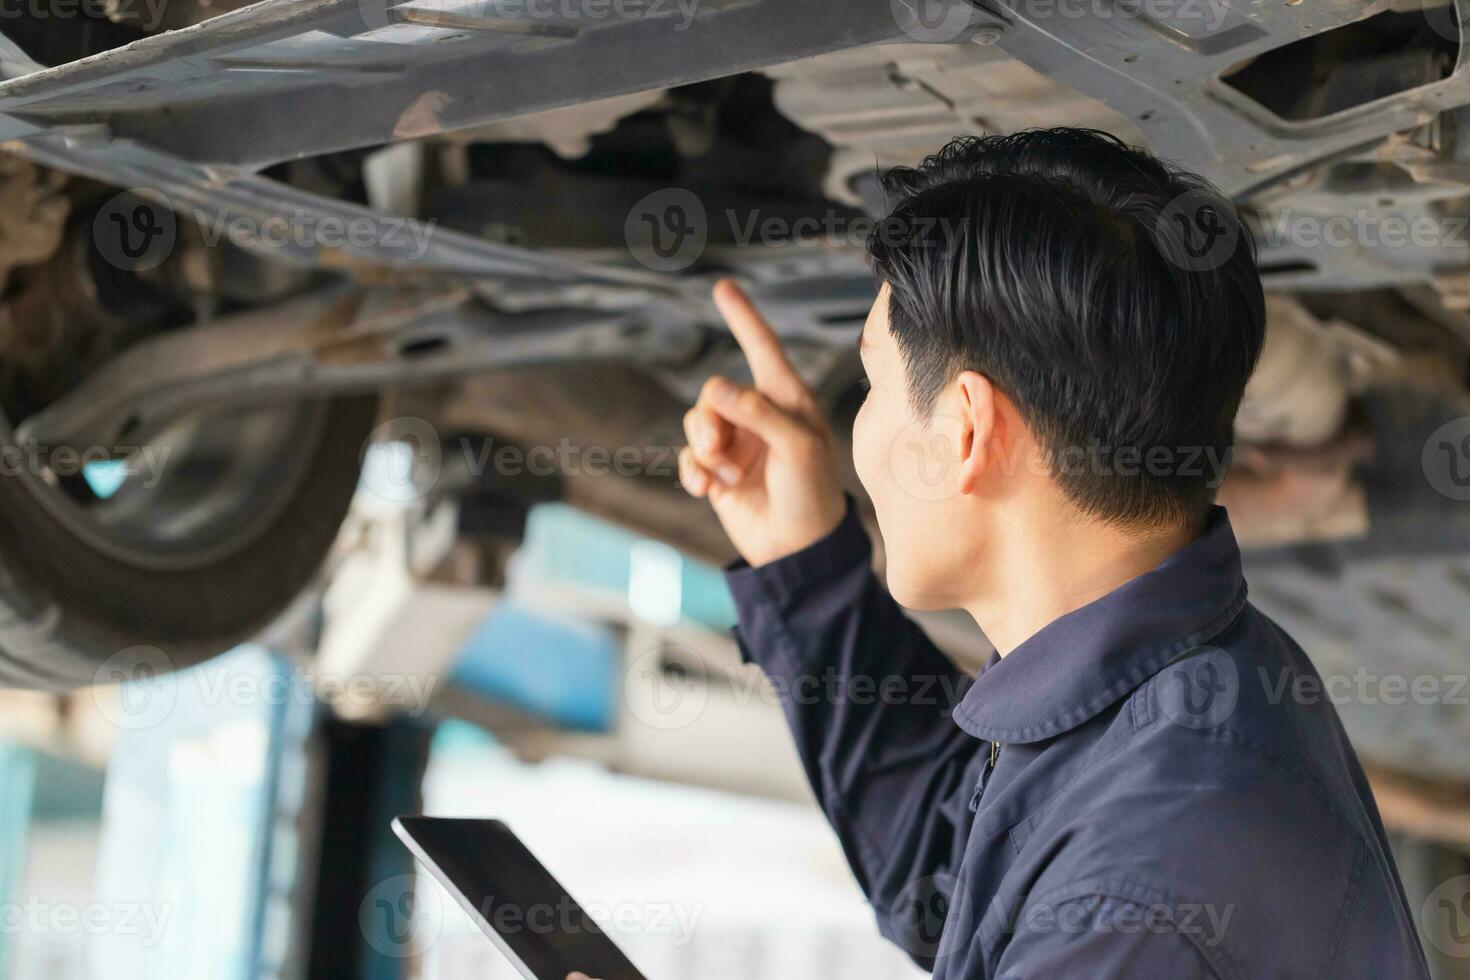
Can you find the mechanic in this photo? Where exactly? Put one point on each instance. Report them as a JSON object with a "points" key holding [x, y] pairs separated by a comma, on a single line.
{"points": [[1061, 338]]}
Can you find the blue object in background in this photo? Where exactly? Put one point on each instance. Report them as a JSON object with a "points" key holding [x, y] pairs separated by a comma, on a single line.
{"points": [[556, 668], [198, 818], [567, 671], [704, 597], [567, 547], [105, 476], [17, 785]]}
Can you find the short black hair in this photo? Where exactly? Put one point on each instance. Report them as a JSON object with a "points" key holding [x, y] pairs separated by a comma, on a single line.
{"points": [[1114, 298]]}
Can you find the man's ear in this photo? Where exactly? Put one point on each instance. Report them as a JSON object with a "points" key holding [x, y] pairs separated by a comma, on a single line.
{"points": [[978, 417]]}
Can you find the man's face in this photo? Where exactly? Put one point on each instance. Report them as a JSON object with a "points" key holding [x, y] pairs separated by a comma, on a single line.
{"points": [[909, 464]]}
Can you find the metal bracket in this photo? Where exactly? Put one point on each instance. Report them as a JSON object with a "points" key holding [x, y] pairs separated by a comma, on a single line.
{"points": [[339, 340]]}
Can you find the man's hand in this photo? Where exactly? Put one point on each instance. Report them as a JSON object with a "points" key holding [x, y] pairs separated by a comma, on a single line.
{"points": [[761, 454]]}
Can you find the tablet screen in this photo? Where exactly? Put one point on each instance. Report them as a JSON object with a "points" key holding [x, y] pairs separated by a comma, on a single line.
{"points": [[514, 899]]}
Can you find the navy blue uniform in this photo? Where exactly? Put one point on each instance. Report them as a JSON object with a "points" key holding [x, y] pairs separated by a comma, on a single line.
{"points": [[1135, 791]]}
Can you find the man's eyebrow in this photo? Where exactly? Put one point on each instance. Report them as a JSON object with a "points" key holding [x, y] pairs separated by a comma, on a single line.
{"points": [[862, 340]]}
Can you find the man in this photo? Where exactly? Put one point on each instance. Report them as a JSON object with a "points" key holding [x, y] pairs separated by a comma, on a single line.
{"points": [[1062, 336]]}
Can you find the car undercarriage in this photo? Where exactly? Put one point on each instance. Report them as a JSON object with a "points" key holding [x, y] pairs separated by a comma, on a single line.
{"points": [[241, 237]]}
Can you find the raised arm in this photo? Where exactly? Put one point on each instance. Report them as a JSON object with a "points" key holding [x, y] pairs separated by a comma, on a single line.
{"points": [[866, 693]]}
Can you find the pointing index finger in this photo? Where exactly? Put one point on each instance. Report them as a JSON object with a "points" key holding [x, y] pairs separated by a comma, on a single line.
{"points": [[772, 372]]}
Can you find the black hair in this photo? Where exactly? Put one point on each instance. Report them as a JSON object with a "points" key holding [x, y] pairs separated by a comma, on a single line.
{"points": [[1113, 298]]}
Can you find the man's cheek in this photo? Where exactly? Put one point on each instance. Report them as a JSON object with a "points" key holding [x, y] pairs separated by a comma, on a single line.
{"points": [[863, 455], [924, 460]]}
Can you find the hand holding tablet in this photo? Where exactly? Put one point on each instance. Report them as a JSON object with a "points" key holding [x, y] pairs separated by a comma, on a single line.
{"points": [[500, 885]]}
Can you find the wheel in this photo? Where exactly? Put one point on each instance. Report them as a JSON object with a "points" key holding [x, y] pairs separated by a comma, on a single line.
{"points": [[215, 526]]}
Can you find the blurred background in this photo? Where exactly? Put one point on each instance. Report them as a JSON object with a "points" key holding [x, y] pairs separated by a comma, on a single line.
{"points": [[231, 819]]}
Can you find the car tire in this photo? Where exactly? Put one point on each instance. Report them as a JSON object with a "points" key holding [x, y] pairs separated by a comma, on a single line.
{"points": [[70, 608]]}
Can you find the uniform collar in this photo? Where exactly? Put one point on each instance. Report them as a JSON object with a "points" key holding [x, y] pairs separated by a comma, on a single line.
{"points": [[1078, 665]]}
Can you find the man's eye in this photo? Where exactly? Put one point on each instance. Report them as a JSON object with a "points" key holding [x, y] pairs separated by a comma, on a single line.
{"points": [[864, 384]]}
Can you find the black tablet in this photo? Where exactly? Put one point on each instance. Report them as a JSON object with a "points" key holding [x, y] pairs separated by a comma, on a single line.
{"points": [[513, 899]]}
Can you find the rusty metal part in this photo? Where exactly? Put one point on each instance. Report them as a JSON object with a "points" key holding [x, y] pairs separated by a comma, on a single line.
{"points": [[1284, 496], [894, 104], [1298, 395], [334, 341], [613, 406], [1436, 810], [32, 215]]}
